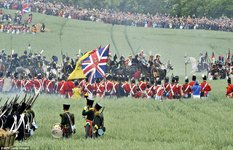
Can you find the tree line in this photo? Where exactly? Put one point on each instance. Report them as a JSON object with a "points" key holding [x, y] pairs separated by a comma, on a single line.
{"points": [[199, 8]]}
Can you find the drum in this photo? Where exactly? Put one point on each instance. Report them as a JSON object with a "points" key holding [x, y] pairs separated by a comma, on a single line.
{"points": [[100, 132], [7, 138], [56, 131]]}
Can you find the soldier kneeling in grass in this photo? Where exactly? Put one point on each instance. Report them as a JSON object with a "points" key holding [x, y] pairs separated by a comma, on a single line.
{"points": [[98, 122]]}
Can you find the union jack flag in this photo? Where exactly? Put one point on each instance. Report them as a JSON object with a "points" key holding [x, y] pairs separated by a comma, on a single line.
{"points": [[94, 66], [25, 8]]}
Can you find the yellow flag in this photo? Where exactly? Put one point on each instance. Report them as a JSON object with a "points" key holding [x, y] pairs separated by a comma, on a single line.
{"points": [[78, 72]]}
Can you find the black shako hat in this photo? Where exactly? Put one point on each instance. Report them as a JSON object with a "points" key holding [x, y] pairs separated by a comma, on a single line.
{"points": [[66, 106], [90, 101], [204, 77], [98, 106], [194, 77], [229, 80]]}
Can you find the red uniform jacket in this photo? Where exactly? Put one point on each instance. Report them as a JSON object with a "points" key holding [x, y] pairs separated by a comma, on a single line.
{"points": [[60, 86], [166, 87], [67, 88], [186, 88], [19, 84], [159, 90], [192, 83], [149, 91], [133, 89], [100, 88], [115, 87], [28, 85], [172, 90], [87, 88], [109, 86], [37, 83], [126, 87], [49, 86], [205, 88], [229, 90], [142, 85]]}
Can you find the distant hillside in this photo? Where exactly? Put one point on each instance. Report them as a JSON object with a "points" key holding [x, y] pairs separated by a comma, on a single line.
{"points": [[71, 35]]}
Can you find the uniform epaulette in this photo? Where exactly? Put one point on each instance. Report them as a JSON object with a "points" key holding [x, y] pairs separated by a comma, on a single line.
{"points": [[92, 109]]}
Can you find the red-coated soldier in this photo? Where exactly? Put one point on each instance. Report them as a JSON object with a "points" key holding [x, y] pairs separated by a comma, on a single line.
{"points": [[133, 88], [99, 88], [187, 90], [159, 90], [166, 87], [17, 84], [171, 89], [179, 92], [150, 89], [126, 86], [67, 88], [142, 85], [44, 80], [50, 85], [27, 84], [37, 83], [205, 87], [87, 88], [115, 85], [109, 86], [60, 85], [229, 89]]}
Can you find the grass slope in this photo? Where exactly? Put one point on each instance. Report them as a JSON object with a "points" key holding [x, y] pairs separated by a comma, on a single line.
{"points": [[72, 35]]}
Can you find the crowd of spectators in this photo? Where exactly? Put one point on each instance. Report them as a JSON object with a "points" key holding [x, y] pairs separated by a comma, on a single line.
{"points": [[123, 18]]}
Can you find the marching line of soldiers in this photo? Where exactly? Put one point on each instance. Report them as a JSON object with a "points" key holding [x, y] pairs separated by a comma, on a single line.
{"points": [[116, 86], [110, 87], [145, 88]]}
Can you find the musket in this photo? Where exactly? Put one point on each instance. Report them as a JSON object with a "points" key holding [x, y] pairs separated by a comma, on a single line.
{"points": [[102, 110], [12, 101], [24, 99], [30, 100], [36, 96], [6, 102], [16, 98]]}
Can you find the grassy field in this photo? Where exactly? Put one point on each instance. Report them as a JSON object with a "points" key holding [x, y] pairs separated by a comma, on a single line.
{"points": [[142, 124], [130, 123]]}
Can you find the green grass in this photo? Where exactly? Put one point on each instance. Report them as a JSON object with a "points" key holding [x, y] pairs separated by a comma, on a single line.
{"points": [[131, 123], [142, 124], [76, 34]]}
